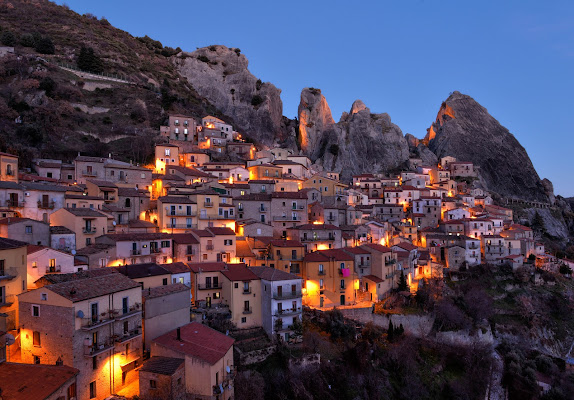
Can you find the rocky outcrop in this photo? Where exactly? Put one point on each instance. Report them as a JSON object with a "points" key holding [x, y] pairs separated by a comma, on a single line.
{"points": [[465, 130], [220, 75], [359, 142]]}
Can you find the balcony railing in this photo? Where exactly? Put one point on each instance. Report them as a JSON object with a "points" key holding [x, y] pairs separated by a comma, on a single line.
{"points": [[295, 270], [204, 286], [364, 265], [89, 173], [317, 239], [224, 216], [208, 204], [298, 207], [286, 295], [321, 272], [135, 252], [287, 218], [181, 226], [183, 213], [8, 273], [209, 247], [53, 269], [8, 300], [94, 323], [89, 231], [129, 335], [109, 198], [14, 204], [247, 290], [248, 310], [46, 204], [287, 311], [97, 348], [120, 315]]}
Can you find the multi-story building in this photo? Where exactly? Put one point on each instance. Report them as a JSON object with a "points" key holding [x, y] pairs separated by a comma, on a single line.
{"points": [[281, 301], [147, 275], [284, 255], [89, 323], [493, 248], [265, 171], [166, 154], [317, 236], [325, 185], [255, 206], [206, 283], [180, 127], [42, 260], [25, 230], [330, 278], [176, 214], [208, 356], [242, 292], [86, 223], [13, 278], [288, 209], [214, 209], [135, 248]]}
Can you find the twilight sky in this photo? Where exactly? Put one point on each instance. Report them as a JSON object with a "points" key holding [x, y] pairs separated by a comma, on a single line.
{"points": [[515, 57]]}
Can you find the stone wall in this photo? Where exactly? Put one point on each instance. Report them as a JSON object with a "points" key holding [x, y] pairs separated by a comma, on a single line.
{"points": [[415, 325]]}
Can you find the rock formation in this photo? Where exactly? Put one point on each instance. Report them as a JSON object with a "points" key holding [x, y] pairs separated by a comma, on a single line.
{"points": [[359, 142], [465, 130], [220, 75]]}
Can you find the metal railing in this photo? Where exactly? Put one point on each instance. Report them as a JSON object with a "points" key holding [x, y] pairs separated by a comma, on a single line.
{"points": [[286, 295], [286, 218], [8, 300], [288, 311], [14, 204], [247, 290], [181, 226], [89, 173], [89, 231], [248, 310], [209, 247], [97, 348], [135, 252], [183, 213], [205, 286], [208, 204], [46, 204], [53, 269]]}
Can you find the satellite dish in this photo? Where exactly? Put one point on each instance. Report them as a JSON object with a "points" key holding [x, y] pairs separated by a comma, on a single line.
{"points": [[228, 369], [80, 314], [221, 388], [10, 340], [114, 223], [73, 252]]}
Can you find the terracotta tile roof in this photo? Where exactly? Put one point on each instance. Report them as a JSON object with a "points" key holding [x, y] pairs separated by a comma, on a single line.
{"points": [[61, 230], [197, 341], [89, 288], [242, 249], [326, 255], [239, 272], [176, 267], [206, 267], [17, 220], [272, 274], [136, 236], [355, 250], [162, 365], [84, 212], [202, 233], [6, 244], [288, 195], [33, 381], [373, 278], [184, 238], [220, 230], [75, 276], [316, 227], [286, 243], [137, 271], [254, 197], [262, 181], [406, 246], [175, 200], [377, 247], [160, 291]]}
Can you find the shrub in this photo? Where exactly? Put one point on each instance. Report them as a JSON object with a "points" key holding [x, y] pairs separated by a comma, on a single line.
{"points": [[27, 40], [565, 269], [237, 51], [8, 38], [256, 100], [48, 85], [258, 84], [89, 61], [45, 46], [203, 59], [212, 48]]}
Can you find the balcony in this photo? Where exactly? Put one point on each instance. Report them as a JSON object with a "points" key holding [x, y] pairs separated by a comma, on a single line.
{"points": [[109, 198], [135, 252], [287, 218], [180, 213], [295, 270], [48, 205], [134, 333], [10, 172], [321, 272], [288, 311], [205, 286], [298, 207], [90, 324], [190, 252], [89, 173], [14, 204], [98, 348], [181, 226], [209, 247], [248, 310], [154, 250], [53, 269], [389, 276], [8, 300], [364, 265], [247, 290], [224, 216], [208, 204], [89, 231], [330, 218], [286, 295], [120, 315], [263, 209], [317, 239], [8, 273]]}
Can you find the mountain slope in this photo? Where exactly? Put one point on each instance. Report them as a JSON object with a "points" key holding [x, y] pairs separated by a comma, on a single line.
{"points": [[465, 130]]}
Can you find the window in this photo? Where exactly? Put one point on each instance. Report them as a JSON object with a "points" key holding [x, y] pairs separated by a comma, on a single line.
{"points": [[243, 320], [125, 307], [28, 229], [164, 281], [167, 152], [228, 242], [126, 327], [35, 311], [236, 285], [94, 363], [92, 389], [72, 391], [36, 360], [165, 244], [44, 296], [36, 339]]}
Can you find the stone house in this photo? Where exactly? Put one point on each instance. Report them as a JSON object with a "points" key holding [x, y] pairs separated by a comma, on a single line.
{"points": [[162, 377], [25, 230], [13, 278], [242, 292]]}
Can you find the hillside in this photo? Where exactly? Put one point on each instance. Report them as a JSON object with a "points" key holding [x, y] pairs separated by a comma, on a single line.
{"points": [[63, 113]]}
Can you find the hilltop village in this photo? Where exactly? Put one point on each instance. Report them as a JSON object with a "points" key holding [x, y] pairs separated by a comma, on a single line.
{"points": [[118, 278]]}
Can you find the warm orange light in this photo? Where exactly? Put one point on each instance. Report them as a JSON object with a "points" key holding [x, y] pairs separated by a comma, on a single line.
{"points": [[231, 179], [322, 247]]}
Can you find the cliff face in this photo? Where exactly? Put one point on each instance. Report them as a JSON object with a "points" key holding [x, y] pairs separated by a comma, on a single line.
{"points": [[359, 142], [465, 130], [220, 74]]}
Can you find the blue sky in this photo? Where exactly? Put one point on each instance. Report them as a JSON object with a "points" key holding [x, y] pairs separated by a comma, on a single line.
{"points": [[516, 58]]}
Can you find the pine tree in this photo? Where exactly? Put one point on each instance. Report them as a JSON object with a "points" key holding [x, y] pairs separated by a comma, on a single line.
{"points": [[403, 285], [390, 331], [538, 223], [89, 61]]}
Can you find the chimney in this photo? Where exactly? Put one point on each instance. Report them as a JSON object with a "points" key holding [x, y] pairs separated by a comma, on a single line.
{"points": [[178, 333]]}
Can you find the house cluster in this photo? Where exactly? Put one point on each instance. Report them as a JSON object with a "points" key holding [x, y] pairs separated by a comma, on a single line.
{"points": [[101, 261]]}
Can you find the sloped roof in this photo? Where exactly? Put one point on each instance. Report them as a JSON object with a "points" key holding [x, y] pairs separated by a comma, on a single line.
{"points": [[164, 290], [89, 288], [162, 365], [197, 341], [138, 271], [272, 274], [33, 381], [239, 272]]}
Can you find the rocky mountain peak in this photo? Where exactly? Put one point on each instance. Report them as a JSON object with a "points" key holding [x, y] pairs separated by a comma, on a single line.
{"points": [[465, 130], [315, 118], [357, 106], [221, 75]]}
